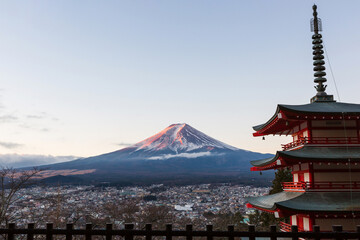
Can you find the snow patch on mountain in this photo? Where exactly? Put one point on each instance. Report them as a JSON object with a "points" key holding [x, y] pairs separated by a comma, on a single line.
{"points": [[184, 155], [180, 138]]}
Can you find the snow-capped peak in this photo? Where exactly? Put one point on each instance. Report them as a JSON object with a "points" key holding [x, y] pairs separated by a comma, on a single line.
{"points": [[180, 137]]}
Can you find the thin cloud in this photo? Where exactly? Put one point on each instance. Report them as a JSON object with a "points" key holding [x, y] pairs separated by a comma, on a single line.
{"points": [[24, 125], [184, 155], [1, 104], [28, 160], [8, 118], [35, 116], [34, 127], [35, 121], [10, 145], [40, 115], [123, 144]]}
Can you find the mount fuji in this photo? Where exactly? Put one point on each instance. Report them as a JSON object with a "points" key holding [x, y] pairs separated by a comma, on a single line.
{"points": [[179, 153]]}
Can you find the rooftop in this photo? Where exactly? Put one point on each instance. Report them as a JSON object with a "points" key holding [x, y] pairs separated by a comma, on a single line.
{"points": [[313, 154], [287, 116], [309, 202]]}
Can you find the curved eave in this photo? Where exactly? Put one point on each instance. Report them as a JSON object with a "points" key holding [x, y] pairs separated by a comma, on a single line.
{"points": [[279, 124], [323, 108], [268, 202], [265, 164], [287, 116], [316, 202], [258, 127], [249, 205], [323, 202], [307, 153], [261, 127]]}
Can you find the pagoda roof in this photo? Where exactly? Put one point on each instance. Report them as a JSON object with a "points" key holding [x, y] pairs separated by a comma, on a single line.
{"points": [[307, 153], [308, 201], [324, 108], [279, 123], [264, 162]]}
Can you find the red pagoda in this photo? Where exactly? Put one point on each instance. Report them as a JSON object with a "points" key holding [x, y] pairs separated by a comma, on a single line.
{"points": [[324, 157]]}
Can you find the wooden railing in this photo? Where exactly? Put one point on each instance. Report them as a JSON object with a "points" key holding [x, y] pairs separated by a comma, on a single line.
{"points": [[293, 144], [12, 233], [295, 185], [285, 227], [321, 140], [321, 185]]}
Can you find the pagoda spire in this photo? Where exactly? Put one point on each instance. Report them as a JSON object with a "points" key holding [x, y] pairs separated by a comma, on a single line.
{"points": [[318, 58]]}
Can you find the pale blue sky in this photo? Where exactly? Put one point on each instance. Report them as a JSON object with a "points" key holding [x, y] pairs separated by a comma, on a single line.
{"points": [[80, 77]]}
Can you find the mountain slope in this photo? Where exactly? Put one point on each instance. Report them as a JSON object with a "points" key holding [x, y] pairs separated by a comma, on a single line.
{"points": [[180, 138], [178, 150]]}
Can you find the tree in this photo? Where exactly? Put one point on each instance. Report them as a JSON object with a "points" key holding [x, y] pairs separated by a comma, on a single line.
{"points": [[124, 212], [262, 220], [281, 175], [59, 212], [222, 220], [11, 181], [158, 216]]}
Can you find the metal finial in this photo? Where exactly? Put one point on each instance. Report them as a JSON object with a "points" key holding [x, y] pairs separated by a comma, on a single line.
{"points": [[318, 58], [315, 22]]}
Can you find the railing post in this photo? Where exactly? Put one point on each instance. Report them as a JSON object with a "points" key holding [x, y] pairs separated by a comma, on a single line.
{"points": [[88, 230], [252, 232], [316, 230], [49, 233], [109, 231], [128, 234], [209, 229], [273, 232], [231, 231], [168, 232], [69, 231], [189, 229], [294, 230], [30, 234], [337, 229], [11, 233], [148, 229]]}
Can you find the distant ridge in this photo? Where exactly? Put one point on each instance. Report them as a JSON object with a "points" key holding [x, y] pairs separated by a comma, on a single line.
{"points": [[60, 179], [179, 151]]}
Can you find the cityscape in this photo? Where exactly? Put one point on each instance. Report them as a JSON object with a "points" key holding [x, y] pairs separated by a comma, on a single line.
{"points": [[98, 205]]}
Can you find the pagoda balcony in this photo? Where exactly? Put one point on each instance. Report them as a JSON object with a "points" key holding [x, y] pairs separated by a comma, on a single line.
{"points": [[321, 141], [303, 186], [285, 227]]}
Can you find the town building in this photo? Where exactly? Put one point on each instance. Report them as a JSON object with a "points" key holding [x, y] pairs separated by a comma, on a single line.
{"points": [[324, 157]]}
